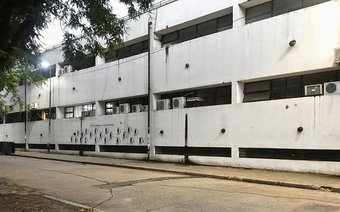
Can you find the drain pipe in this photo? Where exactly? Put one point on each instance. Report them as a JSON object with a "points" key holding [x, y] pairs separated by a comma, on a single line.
{"points": [[26, 115], [149, 88]]}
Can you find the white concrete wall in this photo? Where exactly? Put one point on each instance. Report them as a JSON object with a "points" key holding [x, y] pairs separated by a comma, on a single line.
{"points": [[244, 53]]}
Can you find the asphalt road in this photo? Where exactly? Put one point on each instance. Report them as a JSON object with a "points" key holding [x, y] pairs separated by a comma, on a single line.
{"points": [[118, 189]]}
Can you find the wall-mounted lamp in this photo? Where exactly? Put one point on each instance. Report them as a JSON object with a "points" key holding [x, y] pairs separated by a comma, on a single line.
{"points": [[292, 43], [300, 129], [187, 65], [222, 130], [119, 79], [161, 132], [74, 88]]}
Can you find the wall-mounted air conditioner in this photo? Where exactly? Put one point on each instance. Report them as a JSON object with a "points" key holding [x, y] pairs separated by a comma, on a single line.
{"points": [[88, 113], [115, 110], [137, 108], [178, 102], [313, 90], [124, 108], [145, 108], [163, 104], [67, 69], [34, 106], [332, 88]]}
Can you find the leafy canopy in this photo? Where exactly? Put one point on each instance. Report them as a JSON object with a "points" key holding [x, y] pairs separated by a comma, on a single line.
{"points": [[21, 24]]}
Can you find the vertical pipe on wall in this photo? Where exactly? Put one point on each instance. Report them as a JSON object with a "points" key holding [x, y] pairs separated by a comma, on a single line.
{"points": [[186, 154], [26, 115], [81, 153], [149, 87], [49, 112]]}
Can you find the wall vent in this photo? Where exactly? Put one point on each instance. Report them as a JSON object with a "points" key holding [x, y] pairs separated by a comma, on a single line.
{"points": [[313, 90]]}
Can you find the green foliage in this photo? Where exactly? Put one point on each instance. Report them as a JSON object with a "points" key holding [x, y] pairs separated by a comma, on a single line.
{"points": [[22, 21]]}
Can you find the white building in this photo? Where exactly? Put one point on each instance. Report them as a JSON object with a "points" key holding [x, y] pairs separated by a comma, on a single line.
{"points": [[243, 70]]}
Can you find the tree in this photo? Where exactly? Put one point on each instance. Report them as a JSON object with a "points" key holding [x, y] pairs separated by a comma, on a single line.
{"points": [[21, 23]]}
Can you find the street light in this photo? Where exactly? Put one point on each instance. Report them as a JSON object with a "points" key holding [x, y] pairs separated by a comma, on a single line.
{"points": [[45, 64]]}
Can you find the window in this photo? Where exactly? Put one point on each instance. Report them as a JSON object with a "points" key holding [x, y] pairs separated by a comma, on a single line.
{"points": [[225, 22], [39, 115], [127, 51], [203, 97], [170, 38], [288, 87], [75, 111], [207, 28], [285, 6], [257, 91], [69, 112], [277, 7], [15, 117], [259, 12], [187, 34], [109, 107], [199, 30]]}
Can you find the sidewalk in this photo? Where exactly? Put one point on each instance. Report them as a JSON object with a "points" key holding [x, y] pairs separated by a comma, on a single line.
{"points": [[279, 178]]}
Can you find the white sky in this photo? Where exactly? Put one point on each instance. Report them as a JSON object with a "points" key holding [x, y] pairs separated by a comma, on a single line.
{"points": [[54, 33]]}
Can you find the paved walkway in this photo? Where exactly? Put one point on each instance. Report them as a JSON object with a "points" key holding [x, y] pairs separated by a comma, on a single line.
{"points": [[280, 178]]}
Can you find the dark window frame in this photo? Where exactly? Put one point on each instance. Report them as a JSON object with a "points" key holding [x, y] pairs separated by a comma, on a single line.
{"points": [[293, 87], [197, 92], [72, 112], [143, 100], [218, 28], [304, 4], [127, 51]]}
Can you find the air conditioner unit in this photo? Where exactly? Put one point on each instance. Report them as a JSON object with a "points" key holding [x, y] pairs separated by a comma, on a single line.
{"points": [[313, 90], [332, 88], [85, 114], [67, 69], [88, 113], [115, 110], [145, 108], [124, 108], [137, 108], [178, 102], [34, 105], [163, 104]]}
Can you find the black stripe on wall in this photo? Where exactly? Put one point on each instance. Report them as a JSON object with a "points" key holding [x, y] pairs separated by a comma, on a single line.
{"points": [[75, 147], [40, 146], [194, 151], [20, 145], [291, 154], [124, 149]]}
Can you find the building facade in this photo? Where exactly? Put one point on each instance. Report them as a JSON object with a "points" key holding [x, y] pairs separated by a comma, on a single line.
{"points": [[234, 83]]}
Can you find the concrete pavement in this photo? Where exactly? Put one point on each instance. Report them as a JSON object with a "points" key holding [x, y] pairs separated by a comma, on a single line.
{"points": [[108, 188], [289, 179]]}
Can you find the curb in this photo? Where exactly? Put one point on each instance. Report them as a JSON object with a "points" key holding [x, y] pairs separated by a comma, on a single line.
{"points": [[231, 178]]}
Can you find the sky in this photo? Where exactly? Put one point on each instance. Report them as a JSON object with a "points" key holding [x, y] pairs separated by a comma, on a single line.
{"points": [[53, 35]]}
